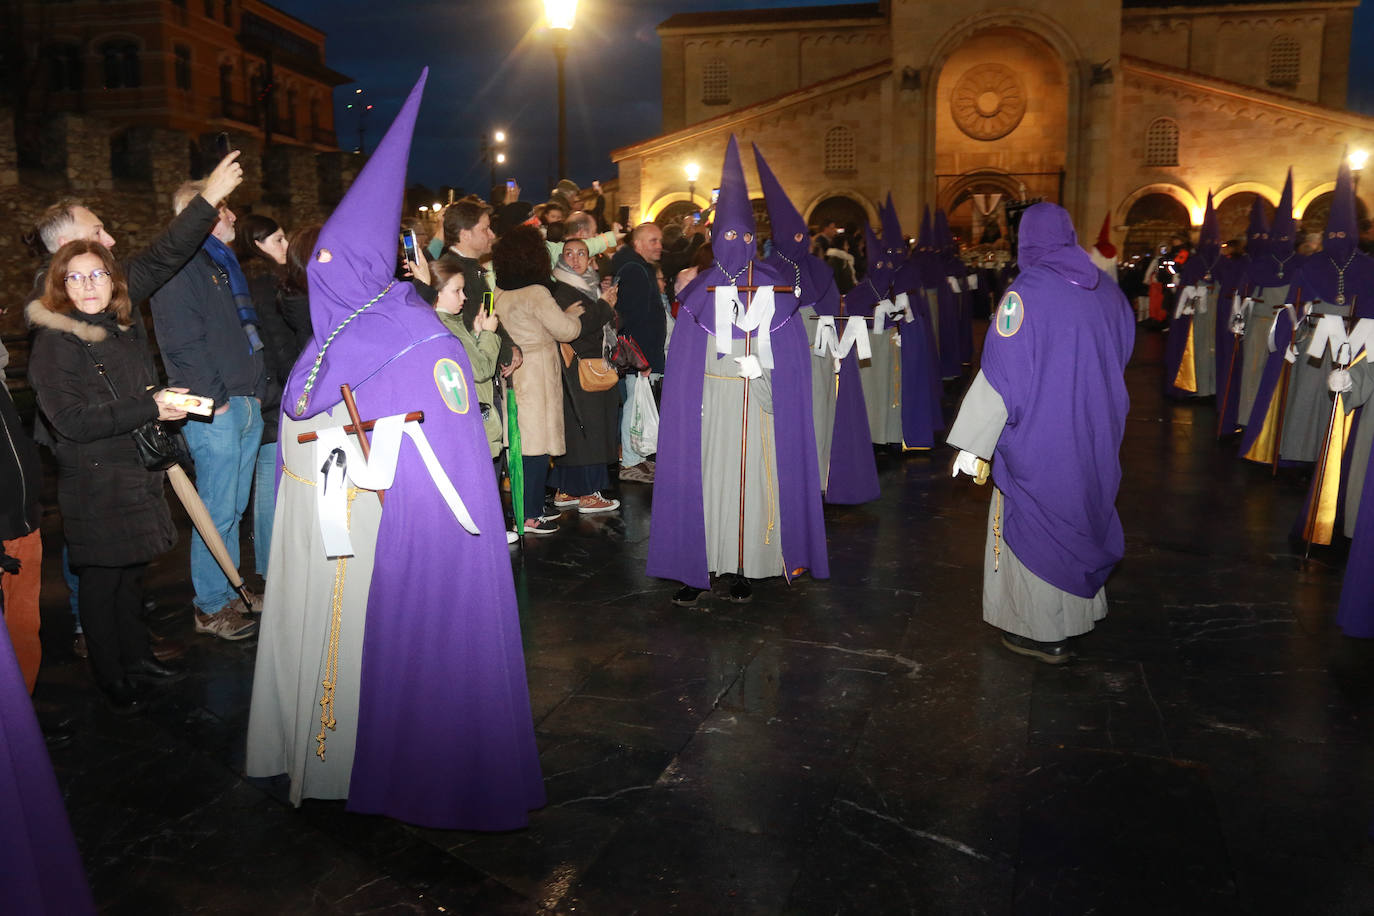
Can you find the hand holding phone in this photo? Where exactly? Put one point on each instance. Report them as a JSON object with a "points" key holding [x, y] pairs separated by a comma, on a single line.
{"points": [[409, 244]]}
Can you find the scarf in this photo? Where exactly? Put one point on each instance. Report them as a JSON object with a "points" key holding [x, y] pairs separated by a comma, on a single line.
{"points": [[576, 280], [223, 255]]}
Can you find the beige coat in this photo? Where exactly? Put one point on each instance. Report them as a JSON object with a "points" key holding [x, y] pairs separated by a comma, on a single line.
{"points": [[536, 324]]}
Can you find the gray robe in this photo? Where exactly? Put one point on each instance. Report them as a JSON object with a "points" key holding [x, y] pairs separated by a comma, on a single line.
{"points": [[1308, 412], [1014, 598], [294, 633], [881, 378], [1255, 347], [722, 397], [1205, 341]]}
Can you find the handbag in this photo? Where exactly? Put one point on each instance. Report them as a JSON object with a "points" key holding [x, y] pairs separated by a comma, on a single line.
{"points": [[592, 374], [627, 358], [160, 445]]}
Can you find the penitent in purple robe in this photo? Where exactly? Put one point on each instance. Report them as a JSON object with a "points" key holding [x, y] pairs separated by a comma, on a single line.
{"points": [[677, 534], [853, 471], [1057, 353], [445, 737], [40, 868]]}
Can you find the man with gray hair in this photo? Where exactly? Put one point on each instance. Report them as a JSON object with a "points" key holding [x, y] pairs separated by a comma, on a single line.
{"points": [[207, 331]]}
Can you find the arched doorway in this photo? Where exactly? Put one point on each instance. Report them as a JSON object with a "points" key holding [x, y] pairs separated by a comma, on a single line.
{"points": [[675, 211], [1001, 126], [844, 212], [1152, 221]]}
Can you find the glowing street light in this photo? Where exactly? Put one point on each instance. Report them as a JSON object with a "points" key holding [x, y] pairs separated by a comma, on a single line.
{"points": [[494, 153], [499, 136], [560, 15], [693, 173], [1357, 159]]}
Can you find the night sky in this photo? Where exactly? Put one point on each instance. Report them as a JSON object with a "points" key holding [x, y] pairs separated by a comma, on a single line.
{"points": [[491, 65]]}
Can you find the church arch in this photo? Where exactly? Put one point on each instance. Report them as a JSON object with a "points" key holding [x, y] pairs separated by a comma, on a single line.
{"points": [[1192, 206], [689, 204], [969, 205], [1302, 203], [843, 205], [1312, 217], [1152, 220], [1255, 187]]}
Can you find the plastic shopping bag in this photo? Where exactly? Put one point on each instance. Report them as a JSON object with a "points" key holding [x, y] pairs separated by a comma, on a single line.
{"points": [[644, 419]]}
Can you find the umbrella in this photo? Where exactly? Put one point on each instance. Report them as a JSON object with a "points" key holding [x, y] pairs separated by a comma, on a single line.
{"points": [[514, 466], [200, 517]]}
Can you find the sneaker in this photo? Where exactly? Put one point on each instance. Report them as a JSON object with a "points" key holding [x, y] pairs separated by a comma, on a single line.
{"points": [[638, 473], [511, 537], [564, 501], [595, 502], [227, 624], [543, 526], [249, 608]]}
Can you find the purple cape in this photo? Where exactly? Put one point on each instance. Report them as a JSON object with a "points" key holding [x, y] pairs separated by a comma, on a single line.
{"points": [[40, 868], [1269, 386], [677, 529], [1355, 614], [445, 733], [1230, 271], [1061, 376]]}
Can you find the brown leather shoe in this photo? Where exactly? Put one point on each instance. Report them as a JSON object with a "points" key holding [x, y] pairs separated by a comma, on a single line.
{"points": [[166, 650]]}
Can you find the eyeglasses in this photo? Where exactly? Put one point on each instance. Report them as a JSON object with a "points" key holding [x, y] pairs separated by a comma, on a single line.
{"points": [[96, 278]]}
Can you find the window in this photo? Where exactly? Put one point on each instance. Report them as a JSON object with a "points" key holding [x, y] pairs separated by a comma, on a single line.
{"points": [[121, 65], [1161, 142], [183, 66], [210, 9], [715, 83], [228, 12], [1285, 62], [226, 85], [66, 68], [839, 150]]}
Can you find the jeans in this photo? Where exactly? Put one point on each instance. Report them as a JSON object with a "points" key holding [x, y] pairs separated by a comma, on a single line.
{"points": [[628, 456], [225, 451], [73, 588], [264, 504], [536, 477]]}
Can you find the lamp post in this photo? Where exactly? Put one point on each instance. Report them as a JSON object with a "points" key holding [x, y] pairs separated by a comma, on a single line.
{"points": [[693, 173], [561, 14], [494, 152]]}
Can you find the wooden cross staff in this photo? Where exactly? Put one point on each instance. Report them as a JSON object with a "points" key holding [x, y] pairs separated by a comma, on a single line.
{"points": [[358, 428], [753, 289]]}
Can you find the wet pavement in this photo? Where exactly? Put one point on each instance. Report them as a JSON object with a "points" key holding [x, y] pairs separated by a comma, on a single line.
{"points": [[859, 745]]}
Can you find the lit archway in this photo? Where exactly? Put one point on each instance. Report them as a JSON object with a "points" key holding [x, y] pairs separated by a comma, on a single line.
{"points": [[651, 213], [1194, 207], [838, 204]]}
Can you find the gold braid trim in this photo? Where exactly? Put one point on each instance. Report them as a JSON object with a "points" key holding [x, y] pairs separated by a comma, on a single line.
{"points": [[769, 488], [997, 530], [331, 660]]}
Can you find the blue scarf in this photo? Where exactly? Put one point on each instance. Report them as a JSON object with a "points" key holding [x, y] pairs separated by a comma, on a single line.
{"points": [[224, 256]]}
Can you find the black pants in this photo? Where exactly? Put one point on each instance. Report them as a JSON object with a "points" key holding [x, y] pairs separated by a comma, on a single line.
{"points": [[110, 599]]}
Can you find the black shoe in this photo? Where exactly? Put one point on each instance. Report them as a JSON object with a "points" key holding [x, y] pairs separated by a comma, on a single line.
{"points": [[741, 592], [166, 650], [1051, 653], [687, 596], [123, 698], [150, 669], [57, 735]]}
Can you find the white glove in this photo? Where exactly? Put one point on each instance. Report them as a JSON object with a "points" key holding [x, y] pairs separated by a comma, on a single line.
{"points": [[1339, 380], [965, 462], [749, 366]]}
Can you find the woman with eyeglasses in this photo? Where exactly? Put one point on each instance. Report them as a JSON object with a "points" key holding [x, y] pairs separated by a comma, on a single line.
{"points": [[93, 374]]}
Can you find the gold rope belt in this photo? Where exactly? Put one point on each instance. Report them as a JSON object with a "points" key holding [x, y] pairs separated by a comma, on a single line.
{"points": [[330, 680], [997, 530]]}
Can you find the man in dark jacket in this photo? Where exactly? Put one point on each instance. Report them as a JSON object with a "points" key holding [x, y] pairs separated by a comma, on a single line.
{"points": [[644, 318], [210, 347]]}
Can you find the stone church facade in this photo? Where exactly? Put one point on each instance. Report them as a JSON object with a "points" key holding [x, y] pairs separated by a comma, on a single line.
{"points": [[1109, 107]]}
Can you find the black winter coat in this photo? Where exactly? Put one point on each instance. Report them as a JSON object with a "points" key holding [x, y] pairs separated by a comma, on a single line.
{"points": [[591, 419], [114, 512]]}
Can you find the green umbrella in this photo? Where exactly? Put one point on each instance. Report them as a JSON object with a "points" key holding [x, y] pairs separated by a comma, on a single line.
{"points": [[514, 466]]}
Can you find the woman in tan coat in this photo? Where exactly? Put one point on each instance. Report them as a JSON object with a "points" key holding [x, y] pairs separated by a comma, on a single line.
{"points": [[537, 325]]}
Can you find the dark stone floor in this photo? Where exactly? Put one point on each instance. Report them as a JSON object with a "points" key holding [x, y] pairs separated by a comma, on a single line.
{"points": [[861, 745]]}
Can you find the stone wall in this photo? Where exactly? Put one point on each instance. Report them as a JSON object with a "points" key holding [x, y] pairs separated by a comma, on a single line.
{"points": [[303, 186]]}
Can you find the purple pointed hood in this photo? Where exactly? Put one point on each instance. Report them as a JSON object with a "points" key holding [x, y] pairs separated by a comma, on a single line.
{"points": [[1283, 230], [925, 238], [1203, 263], [360, 236], [732, 234], [792, 243], [1257, 233], [1047, 240], [880, 266], [940, 235], [1342, 233]]}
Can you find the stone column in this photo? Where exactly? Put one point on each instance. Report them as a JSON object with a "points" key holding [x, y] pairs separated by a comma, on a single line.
{"points": [[9, 153]]}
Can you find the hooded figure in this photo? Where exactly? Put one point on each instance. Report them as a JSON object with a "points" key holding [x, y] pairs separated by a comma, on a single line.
{"points": [[1190, 365], [1103, 252], [1238, 381], [737, 488], [956, 277], [389, 668], [1048, 410], [848, 471], [1291, 409]]}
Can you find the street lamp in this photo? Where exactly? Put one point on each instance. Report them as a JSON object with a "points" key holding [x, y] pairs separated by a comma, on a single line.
{"points": [[493, 151], [1357, 160], [693, 173], [560, 14]]}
